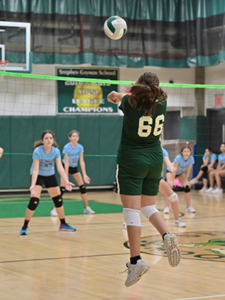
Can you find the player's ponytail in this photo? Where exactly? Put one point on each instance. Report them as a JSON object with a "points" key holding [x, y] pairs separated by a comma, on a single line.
{"points": [[39, 142], [146, 93]]}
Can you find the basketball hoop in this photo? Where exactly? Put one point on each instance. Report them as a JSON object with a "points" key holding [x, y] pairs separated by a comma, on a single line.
{"points": [[3, 65]]}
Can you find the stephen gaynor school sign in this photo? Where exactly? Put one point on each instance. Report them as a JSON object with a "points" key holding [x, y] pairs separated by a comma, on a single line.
{"points": [[86, 97]]}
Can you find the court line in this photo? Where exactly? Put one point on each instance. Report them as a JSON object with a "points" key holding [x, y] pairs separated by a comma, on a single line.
{"points": [[105, 227], [55, 258], [205, 297]]}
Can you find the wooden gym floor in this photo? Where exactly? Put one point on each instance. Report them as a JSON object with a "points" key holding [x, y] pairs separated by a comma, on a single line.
{"points": [[48, 264]]}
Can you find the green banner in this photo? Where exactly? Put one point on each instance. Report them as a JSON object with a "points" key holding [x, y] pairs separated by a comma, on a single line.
{"points": [[77, 97]]}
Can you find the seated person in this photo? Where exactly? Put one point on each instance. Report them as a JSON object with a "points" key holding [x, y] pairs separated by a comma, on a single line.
{"points": [[209, 164], [217, 173]]}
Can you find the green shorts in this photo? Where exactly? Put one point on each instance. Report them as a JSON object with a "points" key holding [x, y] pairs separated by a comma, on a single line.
{"points": [[139, 174]]}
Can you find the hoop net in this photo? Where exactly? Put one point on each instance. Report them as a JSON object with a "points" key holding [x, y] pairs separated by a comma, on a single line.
{"points": [[3, 65]]}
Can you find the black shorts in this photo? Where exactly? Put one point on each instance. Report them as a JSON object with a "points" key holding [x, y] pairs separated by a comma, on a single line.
{"points": [[175, 175], [72, 170], [48, 181]]}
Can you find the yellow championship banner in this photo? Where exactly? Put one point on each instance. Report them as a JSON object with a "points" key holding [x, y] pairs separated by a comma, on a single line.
{"points": [[77, 97]]}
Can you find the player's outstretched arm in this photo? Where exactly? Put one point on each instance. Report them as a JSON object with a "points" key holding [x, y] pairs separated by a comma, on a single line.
{"points": [[115, 97]]}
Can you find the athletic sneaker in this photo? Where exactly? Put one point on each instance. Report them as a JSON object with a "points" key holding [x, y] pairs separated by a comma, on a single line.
{"points": [[172, 249], [135, 272], [88, 210], [193, 181], [23, 231], [179, 223], [202, 190], [190, 209], [217, 191], [124, 225], [209, 190], [166, 210], [54, 212], [66, 227]]}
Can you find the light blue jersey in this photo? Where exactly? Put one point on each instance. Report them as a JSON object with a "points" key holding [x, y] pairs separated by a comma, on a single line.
{"points": [[46, 160], [211, 157], [182, 164], [221, 158], [73, 153], [165, 153]]}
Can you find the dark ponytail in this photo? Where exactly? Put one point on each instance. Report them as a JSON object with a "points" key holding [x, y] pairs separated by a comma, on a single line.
{"points": [[39, 143], [146, 93]]}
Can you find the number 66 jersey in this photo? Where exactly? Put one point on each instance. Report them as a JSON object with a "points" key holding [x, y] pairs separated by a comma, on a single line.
{"points": [[139, 158], [141, 131]]}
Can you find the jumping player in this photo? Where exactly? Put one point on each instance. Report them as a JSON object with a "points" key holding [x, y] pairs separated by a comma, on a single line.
{"points": [[139, 166]]}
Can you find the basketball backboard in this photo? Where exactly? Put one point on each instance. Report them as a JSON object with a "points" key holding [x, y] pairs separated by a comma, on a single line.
{"points": [[15, 46]]}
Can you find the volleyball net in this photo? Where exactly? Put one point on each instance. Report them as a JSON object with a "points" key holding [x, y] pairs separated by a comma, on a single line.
{"points": [[30, 104]]}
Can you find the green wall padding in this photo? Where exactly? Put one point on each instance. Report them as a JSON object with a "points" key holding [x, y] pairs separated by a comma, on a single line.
{"points": [[100, 135]]}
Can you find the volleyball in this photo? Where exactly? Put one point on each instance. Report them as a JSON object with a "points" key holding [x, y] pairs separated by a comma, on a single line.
{"points": [[115, 27]]}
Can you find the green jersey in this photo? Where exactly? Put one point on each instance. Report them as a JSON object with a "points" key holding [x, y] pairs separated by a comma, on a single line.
{"points": [[140, 131]]}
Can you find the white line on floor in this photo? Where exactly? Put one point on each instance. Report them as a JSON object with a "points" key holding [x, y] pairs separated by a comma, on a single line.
{"points": [[205, 297]]}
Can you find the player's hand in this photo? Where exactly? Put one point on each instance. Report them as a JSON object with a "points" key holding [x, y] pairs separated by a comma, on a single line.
{"points": [[87, 179], [32, 190], [173, 169], [114, 97], [69, 186]]}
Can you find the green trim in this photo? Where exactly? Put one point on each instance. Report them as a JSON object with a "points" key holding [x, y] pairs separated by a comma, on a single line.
{"points": [[110, 25], [16, 208], [160, 10], [119, 60], [213, 86]]}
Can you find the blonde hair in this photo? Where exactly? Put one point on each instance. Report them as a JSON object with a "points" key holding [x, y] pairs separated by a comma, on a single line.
{"points": [[39, 142]]}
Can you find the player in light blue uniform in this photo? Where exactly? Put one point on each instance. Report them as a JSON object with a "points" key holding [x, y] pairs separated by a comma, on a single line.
{"points": [[73, 152], [171, 196], [217, 173], [45, 155], [209, 164], [183, 163]]}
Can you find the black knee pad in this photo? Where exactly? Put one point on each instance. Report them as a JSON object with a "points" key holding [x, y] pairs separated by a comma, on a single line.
{"points": [[33, 203], [204, 169], [205, 175], [187, 189], [58, 201], [62, 189], [82, 189]]}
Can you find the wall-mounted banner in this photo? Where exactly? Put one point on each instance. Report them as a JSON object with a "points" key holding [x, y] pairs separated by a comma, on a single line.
{"points": [[75, 97]]}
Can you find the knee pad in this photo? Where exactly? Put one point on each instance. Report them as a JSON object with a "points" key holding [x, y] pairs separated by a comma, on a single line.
{"points": [[33, 203], [205, 175], [132, 217], [58, 201], [204, 169], [148, 211], [62, 190], [187, 189], [82, 189], [173, 197]]}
